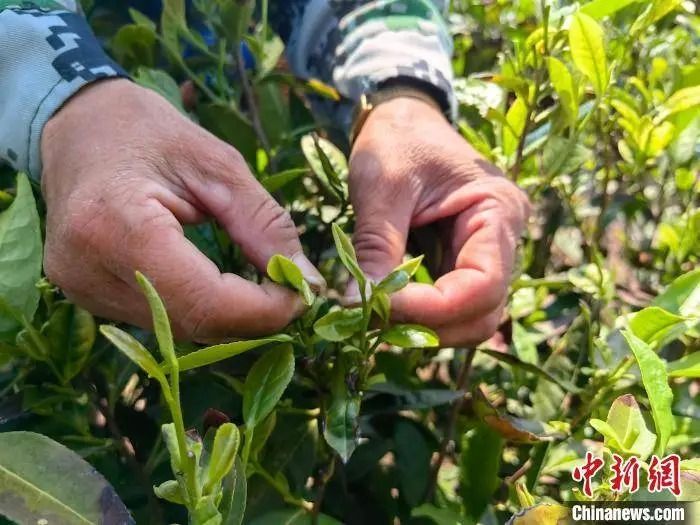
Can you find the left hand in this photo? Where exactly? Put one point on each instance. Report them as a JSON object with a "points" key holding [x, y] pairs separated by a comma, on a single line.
{"points": [[410, 168]]}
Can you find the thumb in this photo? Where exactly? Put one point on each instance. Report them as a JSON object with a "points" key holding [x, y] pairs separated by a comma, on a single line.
{"points": [[253, 219], [381, 229]]}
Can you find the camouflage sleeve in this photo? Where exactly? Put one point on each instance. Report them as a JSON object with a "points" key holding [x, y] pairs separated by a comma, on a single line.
{"points": [[357, 45], [47, 53]]}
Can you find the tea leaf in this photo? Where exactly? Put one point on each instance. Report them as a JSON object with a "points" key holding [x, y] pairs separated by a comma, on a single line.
{"points": [[563, 84], [514, 126], [341, 425], [234, 496], [274, 182], [170, 491], [347, 255], [20, 256], [410, 336], [135, 351], [266, 382], [655, 383], [70, 332], [328, 164], [682, 296], [480, 462], [601, 8], [382, 304], [222, 455], [625, 429], [161, 324], [283, 271], [687, 366], [213, 354], [653, 324], [43, 481], [588, 50], [339, 325], [413, 453], [400, 276]]}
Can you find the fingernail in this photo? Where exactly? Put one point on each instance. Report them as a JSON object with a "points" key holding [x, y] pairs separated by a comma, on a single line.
{"points": [[310, 273]]}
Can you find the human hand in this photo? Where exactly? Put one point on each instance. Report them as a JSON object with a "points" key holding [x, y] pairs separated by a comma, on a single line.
{"points": [[122, 171], [410, 168]]}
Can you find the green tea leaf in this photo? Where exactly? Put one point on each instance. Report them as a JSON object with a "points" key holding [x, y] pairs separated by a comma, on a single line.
{"points": [[655, 381], [170, 491], [682, 296], [222, 455], [654, 324], [341, 426], [601, 8], [234, 496], [135, 351], [563, 84], [381, 304], [283, 271], [339, 325], [44, 482], [20, 256], [514, 126], [686, 366], [588, 50], [162, 83], [161, 323], [266, 382], [347, 255], [70, 332], [400, 276], [413, 453], [625, 429], [292, 517], [410, 336], [480, 462], [328, 164], [214, 354], [274, 182]]}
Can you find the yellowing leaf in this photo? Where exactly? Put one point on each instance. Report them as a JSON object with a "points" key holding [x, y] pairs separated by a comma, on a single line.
{"points": [[588, 50], [563, 84]]}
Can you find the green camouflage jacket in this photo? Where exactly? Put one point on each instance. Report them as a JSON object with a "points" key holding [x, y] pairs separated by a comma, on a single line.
{"points": [[48, 52]]}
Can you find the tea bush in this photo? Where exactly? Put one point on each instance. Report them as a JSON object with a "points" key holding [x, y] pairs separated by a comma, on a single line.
{"points": [[592, 107]]}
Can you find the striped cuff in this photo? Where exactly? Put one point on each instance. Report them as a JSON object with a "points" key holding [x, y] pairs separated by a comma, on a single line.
{"points": [[45, 57]]}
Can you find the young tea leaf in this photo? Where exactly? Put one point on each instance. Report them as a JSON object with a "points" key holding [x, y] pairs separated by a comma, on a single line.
{"points": [[135, 351], [347, 255], [654, 324], [400, 276], [563, 84], [687, 366], [214, 354], [410, 336], [266, 382], [339, 325], [222, 455], [234, 495], [283, 271], [682, 296], [625, 429], [161, 324], [170, 491], [655, 381], [588, 50]]}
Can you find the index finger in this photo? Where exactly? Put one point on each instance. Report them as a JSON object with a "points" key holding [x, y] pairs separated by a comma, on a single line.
{"points": [[203, 303]]}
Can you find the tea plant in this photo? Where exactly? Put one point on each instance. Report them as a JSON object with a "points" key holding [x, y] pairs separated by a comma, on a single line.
{"points": [[592, 107]]}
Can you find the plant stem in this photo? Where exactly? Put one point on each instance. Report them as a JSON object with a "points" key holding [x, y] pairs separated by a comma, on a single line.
{"points": [[249, 432], [462, 378], [253, 109]]}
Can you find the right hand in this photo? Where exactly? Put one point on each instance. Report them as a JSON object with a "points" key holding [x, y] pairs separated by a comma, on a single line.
{"points": [[122, 170]]}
